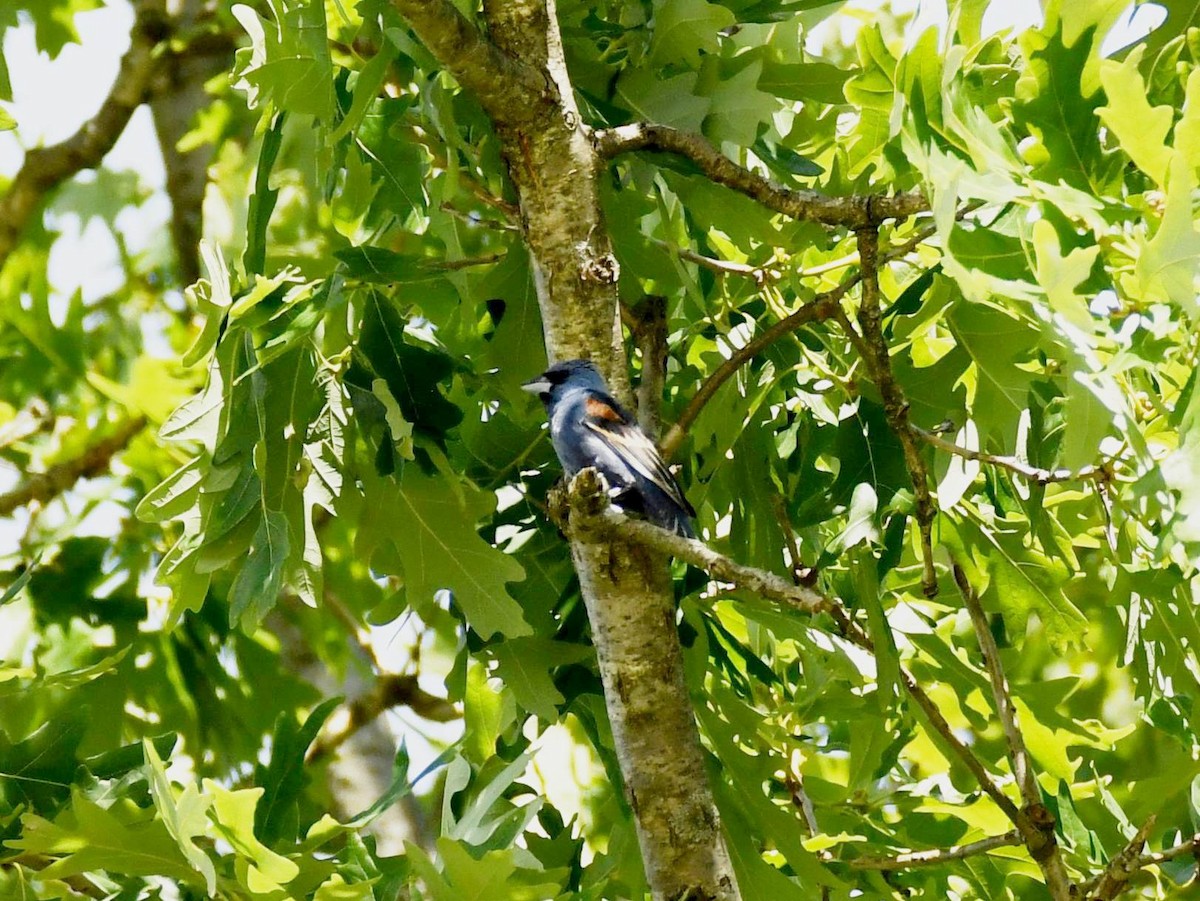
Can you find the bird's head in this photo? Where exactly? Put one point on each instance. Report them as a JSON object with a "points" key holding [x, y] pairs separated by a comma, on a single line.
{"points": [[563, 376]]}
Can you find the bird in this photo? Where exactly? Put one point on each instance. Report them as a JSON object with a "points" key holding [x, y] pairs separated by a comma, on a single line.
{"points": [[589, 428]]}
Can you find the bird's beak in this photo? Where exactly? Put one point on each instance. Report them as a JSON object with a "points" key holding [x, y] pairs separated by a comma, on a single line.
{"points": [[540, 385]]}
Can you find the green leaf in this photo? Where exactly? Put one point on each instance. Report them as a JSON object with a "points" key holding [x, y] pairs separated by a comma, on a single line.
{"points": [[1166, 269], [234, 813], [38, 769], [413, 374], [172, 496], [525, 664], [685, 29], [284, 777], [262, 201], [1141, 129], [1051, 104], [287, 67], [440, 550], [256, 588], [19, 582], [739, 109], [185, 817], [120, 839]]}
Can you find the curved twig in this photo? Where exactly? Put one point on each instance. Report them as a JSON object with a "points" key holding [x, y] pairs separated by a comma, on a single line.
{"points": [[813, 206], [823, 307], [1102, 473], [913, 859]]}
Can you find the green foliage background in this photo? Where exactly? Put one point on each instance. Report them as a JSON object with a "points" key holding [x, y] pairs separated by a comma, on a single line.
{"points": [[342, 420]]}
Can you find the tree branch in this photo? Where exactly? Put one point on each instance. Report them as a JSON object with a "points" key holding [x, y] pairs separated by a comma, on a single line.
{"points": [[45, 168], [593, 519], [760, 274], [852, 212], [822, 307], [508, 89], [1101, 473], [1038, 829], [390, 690], [879, 364], [913, 859], [937, 721], [180, 96], [44, 487], [1109, 884], [1007, 712], [586, 511]]}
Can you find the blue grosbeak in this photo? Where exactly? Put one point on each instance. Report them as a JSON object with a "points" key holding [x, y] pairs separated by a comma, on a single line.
{"points": [[589, 428]]}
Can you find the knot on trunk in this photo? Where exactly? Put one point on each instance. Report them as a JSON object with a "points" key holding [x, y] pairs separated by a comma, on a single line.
{"points": [[602, 269]]}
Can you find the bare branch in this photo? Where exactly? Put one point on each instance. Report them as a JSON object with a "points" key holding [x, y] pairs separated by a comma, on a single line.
{"points": [[594, 519], [851, 212], [1109, 884], [45, 486], [1000, 691], [913, 859], [895, 406], [760, 274], [45, 168], [508, 89], [1100, 473], [390, 690], [822, 307], [1040, 838]]}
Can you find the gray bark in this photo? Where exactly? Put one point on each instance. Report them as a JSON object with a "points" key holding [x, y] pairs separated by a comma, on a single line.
{"points": [[554, 165]]}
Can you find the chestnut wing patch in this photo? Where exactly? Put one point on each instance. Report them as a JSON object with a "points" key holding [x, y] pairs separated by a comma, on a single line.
{"points": [[632, 445], [598, 409]]}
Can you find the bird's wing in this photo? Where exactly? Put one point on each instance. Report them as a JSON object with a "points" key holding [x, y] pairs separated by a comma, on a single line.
{"points": [[609, 421]]}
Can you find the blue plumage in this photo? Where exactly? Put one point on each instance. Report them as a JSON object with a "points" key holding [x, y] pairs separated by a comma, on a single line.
{"points": [[589, 428]]}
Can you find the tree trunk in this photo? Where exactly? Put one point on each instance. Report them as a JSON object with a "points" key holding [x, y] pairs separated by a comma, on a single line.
{"points": [[627, 590]]}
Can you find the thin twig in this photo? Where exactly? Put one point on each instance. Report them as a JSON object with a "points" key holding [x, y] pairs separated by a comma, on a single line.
{"points": [[1005, 708], [895, 406], [913, 859], [760, 274], [803, 803], [467, 262], [1038, 833], [1109, 884], [45, 486], [45, 168], [1100, 473], [813, 206], [822, 307]]}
